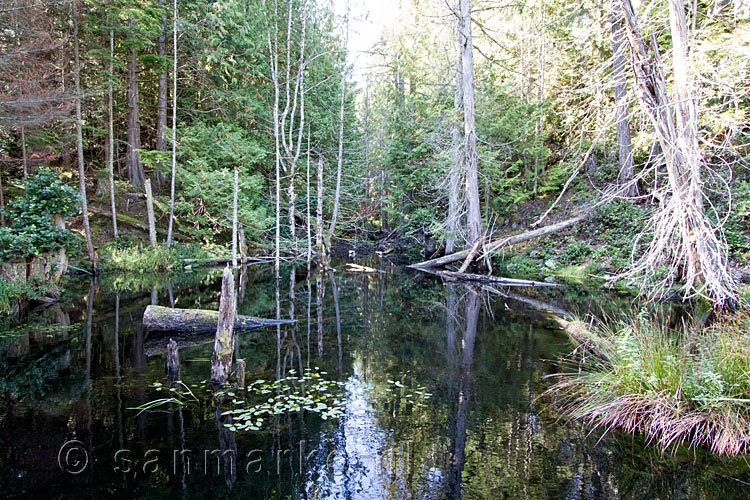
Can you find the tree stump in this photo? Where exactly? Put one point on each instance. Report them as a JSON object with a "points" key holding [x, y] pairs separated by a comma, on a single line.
{"points": [[172, 366], [221, 361]]}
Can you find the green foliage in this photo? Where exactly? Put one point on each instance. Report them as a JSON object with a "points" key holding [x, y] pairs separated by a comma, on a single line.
{"points": [[144, 259], [14, 293], [208, 156], [737, 228], [32, 230], [616, 226], [576, 251]]}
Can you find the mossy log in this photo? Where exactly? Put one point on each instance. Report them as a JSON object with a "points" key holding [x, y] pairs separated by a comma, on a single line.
{"points": [[167, 319]]}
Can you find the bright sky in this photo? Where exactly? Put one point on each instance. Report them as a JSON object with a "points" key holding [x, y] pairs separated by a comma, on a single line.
{"points": [[368, 19]]}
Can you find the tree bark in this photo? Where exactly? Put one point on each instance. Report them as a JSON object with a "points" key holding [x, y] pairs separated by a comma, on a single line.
{"points": [[173, 176], [135, 169], [111, 132], [150, 213], [79, 143], [624, 146], [471, 158], [221, 361]]}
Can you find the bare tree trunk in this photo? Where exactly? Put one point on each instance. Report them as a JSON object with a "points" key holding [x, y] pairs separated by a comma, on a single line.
{"points": [[135, 169], [150, 212], [221, 360], [539, 128], [366, 125], [174, 124], [273, 49], [161, 93], [624, 146], [234, 219], [319, 250], [79, 143], [457, 167], [337, 195], [24, 160], [685, 240], [111, 131], [471, 158], [309, 235]]}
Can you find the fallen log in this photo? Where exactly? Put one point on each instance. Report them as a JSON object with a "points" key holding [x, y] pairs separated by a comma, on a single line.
{"points": [[503, 242], [495, 280], [167, 319]]}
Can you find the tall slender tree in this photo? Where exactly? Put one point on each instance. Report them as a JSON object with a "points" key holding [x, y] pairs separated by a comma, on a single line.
{"points": [[79, 140], [471, 157], [624, 146], [173, 175], [340, 166], [111, 132]]}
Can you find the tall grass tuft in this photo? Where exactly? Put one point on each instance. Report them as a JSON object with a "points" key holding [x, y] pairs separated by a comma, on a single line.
{"points": [[677, 387]]}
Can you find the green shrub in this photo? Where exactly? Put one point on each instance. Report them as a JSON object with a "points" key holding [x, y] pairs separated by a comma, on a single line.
{"points": [[32, 230], [575, 252]]}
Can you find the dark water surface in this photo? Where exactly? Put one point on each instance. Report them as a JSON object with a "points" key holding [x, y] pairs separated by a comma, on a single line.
{"points": [[439, 388]]}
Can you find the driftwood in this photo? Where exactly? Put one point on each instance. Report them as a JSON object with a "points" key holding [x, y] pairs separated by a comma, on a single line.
{"points": [[496, 280], [167, 319], [503, 242]]}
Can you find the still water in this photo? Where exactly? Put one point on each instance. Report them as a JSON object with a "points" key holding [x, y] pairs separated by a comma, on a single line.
{"points": [[436, 390]]}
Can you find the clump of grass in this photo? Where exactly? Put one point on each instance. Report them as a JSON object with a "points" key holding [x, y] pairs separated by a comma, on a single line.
{"points": [[676, 387]]}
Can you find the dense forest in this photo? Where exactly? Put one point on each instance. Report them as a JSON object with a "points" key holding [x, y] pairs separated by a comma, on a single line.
{"points": [[592, 144]]}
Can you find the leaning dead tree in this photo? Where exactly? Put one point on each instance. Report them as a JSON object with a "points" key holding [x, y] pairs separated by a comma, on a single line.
{"points": [[685, 241]]}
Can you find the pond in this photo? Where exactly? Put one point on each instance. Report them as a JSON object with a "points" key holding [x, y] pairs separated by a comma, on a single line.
{"points": [[405, 387]]}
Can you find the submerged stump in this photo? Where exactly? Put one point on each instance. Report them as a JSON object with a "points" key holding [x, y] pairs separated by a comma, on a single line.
{"points": [[221, 361], [172, 365]]}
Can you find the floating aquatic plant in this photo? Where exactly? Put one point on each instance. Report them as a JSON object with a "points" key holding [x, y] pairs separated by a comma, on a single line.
{"points": [[310, 392]]}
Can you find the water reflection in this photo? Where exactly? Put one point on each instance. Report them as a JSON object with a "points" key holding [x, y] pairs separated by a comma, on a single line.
{"points": [[440, 387]]}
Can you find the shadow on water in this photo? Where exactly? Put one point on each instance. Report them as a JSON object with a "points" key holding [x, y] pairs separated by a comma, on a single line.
{"points": [[437, 387]]}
